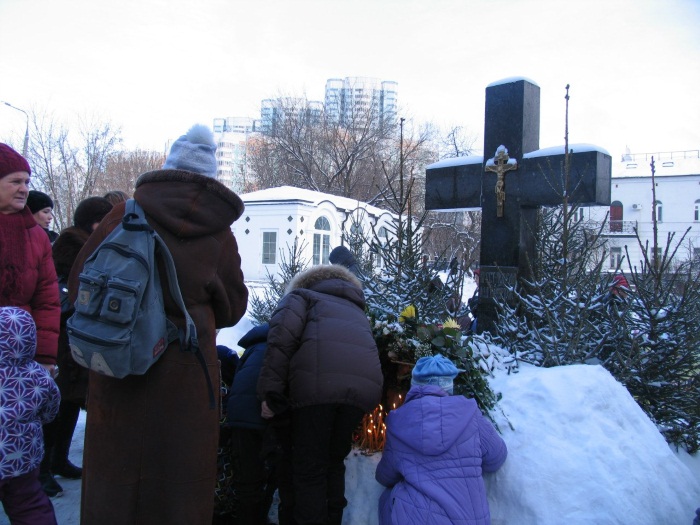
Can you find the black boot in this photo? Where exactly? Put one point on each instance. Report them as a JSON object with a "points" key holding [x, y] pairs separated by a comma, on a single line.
{"points": [[66, 469], [65, 426], [48, 483]]}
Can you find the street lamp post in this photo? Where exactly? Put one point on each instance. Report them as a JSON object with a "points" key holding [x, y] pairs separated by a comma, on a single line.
{"points": [[26, 131]]}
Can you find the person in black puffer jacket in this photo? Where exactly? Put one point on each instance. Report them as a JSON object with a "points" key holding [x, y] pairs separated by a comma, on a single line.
{"points": [[322, 364]]}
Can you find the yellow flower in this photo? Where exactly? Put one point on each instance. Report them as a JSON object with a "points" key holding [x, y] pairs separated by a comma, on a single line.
{"points": [[408, 313], [451, 323]]}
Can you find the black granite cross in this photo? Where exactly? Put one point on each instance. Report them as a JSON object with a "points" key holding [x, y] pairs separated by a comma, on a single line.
{"points": [[509, 186]]}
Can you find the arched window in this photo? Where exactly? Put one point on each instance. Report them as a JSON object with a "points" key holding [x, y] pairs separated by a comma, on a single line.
{"points": [[322, 241], [696, 211], [356, 238], [380, 243], [616, 216], [658, 208]]}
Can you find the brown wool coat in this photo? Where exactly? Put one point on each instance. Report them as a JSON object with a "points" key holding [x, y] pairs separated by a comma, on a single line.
{"points": [[150, 442]]}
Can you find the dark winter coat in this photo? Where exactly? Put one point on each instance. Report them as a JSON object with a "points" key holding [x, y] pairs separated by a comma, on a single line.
{"points": [[436, 449], [29, 397], [151, 440], [243, 405], [320, 345], [39, 294], [52, 235], [73, 378]]}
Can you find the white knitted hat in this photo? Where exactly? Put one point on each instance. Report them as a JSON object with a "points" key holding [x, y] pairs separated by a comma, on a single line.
{"points": [[194, 152]]}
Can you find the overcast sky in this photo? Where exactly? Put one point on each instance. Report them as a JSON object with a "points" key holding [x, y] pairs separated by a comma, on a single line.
{"points": [[154, 67]]}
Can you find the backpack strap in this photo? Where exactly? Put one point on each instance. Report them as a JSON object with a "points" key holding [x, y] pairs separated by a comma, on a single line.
{"points": [[135, 219]]}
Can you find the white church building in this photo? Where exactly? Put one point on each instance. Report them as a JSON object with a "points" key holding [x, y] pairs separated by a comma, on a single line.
{"points": [[674, 196], [275, 218]]}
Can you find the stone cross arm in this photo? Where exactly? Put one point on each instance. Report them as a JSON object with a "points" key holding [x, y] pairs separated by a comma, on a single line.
{"points": [[538, 180], [454, 184]]}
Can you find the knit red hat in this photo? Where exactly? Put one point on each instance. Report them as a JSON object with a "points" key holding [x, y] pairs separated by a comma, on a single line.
{"points": [[11, 161], [619, 281]]}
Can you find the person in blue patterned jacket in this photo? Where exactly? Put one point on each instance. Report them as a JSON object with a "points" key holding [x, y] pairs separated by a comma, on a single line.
{"points": [[29, 398]]}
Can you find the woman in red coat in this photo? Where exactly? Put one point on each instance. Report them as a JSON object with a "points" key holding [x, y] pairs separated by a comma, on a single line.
{"points": [[27, 274], [151, 440]]}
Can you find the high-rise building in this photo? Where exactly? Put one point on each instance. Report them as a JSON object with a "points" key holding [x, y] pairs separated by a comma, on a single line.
{"points": [[353, 100], [231, 135], [273, 111]]}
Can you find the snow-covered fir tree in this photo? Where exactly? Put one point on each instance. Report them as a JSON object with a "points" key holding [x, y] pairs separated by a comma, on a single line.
{"points": [[558, 316], [291, 263], [657, 349]]}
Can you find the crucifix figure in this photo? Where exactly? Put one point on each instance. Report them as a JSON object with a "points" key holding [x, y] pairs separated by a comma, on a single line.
{"points": [[499, 165], [512, 122]]}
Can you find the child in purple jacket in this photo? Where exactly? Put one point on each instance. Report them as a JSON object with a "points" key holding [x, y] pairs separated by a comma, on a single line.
{"points": [[436, 448], [28, 399]]}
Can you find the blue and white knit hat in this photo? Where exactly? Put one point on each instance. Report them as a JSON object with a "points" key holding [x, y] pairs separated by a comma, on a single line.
{"points": [[435, 370], [194, 152]]}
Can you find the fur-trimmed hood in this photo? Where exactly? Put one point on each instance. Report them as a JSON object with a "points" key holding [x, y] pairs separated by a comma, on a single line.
{"points": [[316, 274]]}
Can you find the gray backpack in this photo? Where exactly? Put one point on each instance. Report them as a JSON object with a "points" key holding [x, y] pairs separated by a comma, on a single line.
{"points": [[119, 327]]}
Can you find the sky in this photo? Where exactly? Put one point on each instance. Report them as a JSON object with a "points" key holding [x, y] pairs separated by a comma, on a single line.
{"points": [[580, 451], [155, 67]]}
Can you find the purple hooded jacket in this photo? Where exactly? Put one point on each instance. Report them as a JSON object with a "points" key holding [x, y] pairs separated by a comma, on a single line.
{"points": [[436, 449], [28, 396]]}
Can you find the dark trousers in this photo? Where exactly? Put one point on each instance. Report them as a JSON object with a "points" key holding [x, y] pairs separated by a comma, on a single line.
{"points": [[321, 439], [25, 502], [58, 435], [282, 431], [253, 481]]}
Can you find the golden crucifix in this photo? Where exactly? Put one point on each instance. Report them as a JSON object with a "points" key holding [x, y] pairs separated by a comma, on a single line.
{"points": [[499, 164]]}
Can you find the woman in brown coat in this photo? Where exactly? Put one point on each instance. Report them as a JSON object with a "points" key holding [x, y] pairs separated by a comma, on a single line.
{"points": [[150, 441]]}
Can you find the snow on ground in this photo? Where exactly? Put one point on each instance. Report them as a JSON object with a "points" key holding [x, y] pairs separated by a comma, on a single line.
{"points": [[580, 452]]}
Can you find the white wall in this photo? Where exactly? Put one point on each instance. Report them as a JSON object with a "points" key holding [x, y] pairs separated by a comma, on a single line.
{"points": [[677, 185]]}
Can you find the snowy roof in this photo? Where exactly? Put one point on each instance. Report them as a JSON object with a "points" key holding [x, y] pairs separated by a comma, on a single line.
{"points": [[676, 163], [455, 161], [294, 195], [555, 150], [510, 80], [560, 150]]}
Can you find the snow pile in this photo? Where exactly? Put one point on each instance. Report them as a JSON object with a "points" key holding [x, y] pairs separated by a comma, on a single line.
{"points": [[582, 451]]}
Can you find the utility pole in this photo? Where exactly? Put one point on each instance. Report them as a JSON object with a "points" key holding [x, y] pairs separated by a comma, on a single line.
{"points": [[402, 202], [26, 131]]}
